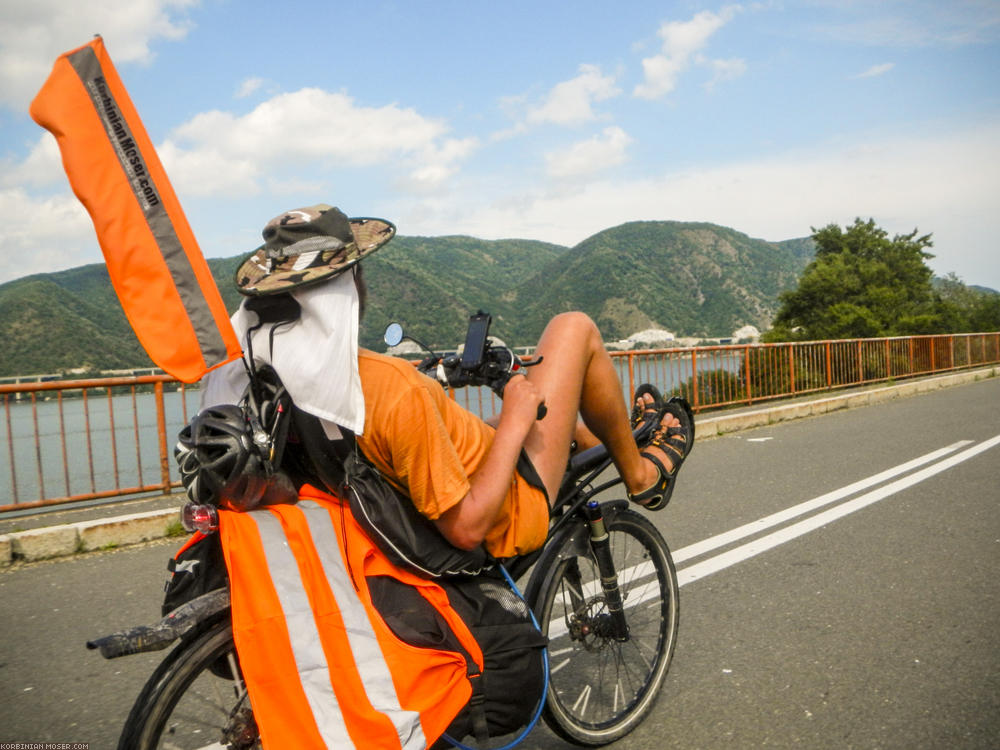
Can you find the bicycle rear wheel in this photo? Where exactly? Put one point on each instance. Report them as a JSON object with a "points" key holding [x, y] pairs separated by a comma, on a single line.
{"points": [[601, 687], [196, 700]]}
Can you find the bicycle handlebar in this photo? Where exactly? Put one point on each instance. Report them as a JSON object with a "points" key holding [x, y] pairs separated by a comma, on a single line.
{"points": [[493, 369]]}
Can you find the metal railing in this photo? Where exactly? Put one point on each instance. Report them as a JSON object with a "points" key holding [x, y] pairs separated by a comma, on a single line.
{"points": [[75, 440], [719, 376], [67, 441]]}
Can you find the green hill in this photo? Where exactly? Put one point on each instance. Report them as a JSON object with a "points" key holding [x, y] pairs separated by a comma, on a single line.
{"points": [[692, 279]]}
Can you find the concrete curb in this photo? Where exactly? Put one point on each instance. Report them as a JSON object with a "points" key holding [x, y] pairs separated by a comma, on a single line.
{"points": [[87, 536], [104, 533], [745, 420]]}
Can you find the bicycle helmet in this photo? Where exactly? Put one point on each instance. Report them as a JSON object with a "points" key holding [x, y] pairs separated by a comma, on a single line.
{"points": [[213, 451]]}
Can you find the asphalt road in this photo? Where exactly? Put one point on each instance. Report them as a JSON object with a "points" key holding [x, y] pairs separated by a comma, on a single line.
{"points": [[865, 619]]}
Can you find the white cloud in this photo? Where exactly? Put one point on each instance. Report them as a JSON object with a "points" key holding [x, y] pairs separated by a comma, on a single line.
{"points": [[33, 34], [682, 42], [725, 70], [945, 185], [941, 184], [876, 70], [571, 102], [435, 166], [220, 152], [916, 23], [204, 171], [44, 234], [590, 156], [290, 144], [41, 167], [248, 87]]}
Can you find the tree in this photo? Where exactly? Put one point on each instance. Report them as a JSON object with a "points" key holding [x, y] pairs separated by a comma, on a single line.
{"points": [[966, 309], [861, 284]]}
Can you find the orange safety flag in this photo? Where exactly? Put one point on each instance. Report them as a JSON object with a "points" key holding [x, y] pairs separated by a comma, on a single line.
{"points": [[323, 669], [153, 259]]}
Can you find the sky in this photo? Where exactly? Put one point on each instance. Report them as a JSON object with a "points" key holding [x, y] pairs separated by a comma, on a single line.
{"points": [[537, 120]]}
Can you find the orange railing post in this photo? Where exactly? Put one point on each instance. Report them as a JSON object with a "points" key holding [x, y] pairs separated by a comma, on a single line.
{"points": [[791, 367], [38, 443], [746, 374], [694, 379], [161, 424], [631, 374], [829, 372], [62, 440], [10, 448]]}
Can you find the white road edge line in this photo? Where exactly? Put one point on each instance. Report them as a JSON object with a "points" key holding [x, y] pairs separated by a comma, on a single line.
{"points": [[746, 551], [755, 527]]}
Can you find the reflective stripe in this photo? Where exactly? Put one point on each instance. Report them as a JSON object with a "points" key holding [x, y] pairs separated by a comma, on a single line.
{"points": [[307, 647], [368, 656], [213, 348], [306, 642]]}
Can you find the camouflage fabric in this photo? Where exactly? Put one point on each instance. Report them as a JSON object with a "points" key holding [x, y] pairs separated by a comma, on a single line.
{"points": [[305, 246]]}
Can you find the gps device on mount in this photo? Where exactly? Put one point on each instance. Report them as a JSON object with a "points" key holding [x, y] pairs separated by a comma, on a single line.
{"points": [[475, 340]]}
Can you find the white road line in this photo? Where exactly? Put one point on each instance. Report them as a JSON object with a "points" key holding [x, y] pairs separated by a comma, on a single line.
{"points": [[746, 551], [755, 527]]}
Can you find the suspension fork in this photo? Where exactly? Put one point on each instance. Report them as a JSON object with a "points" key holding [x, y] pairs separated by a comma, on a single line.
{"points": [[600, 543]]}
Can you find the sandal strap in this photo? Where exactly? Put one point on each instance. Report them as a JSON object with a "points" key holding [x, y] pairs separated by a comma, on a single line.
{"points": [[640, 414], [658, 495], [672, 443]]}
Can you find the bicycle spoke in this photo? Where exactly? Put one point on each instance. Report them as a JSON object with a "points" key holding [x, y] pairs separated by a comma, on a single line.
{"points": [[200, 702], [581, 702]]}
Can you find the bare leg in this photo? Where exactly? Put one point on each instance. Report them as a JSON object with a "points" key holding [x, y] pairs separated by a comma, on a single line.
{"points": [[577, 377], [584, 438]]}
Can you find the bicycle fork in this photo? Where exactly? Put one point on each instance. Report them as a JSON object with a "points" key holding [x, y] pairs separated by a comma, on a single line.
{"points": [[616, 627]]}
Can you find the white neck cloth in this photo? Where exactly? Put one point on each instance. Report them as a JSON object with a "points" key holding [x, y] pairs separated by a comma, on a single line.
{"points": [[316, 357]]}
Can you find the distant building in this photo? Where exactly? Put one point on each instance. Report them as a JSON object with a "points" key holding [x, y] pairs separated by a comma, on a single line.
{"points": [[405, 349], [652, 337], [746, 332]]}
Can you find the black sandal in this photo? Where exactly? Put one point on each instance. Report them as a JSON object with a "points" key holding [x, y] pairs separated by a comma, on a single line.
{"points": [[642, 413], [676, 442], [681, 409]]}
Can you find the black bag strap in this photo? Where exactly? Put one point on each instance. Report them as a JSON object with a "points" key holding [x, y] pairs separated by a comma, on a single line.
{"points": [[325, 457], [387, 515]]}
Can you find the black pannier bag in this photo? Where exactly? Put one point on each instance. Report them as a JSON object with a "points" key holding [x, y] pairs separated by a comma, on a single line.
{"points": [[508, 690], [197, 568]]}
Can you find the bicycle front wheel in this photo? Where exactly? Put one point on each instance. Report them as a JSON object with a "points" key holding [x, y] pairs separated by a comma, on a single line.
{"points": [[601, 685], [196, 700]]}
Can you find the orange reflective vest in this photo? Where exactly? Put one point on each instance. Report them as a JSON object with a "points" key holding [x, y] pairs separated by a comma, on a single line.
{"points": [[322, 668], [156, 267]]}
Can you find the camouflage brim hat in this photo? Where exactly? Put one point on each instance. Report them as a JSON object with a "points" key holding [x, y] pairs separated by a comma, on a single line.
{"points": [[306, 246]]}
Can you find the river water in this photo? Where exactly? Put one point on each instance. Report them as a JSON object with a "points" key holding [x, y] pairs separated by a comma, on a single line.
{"points": [[97, 457]]}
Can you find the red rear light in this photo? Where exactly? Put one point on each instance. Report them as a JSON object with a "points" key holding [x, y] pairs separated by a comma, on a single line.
{"points": [[203, 518]]}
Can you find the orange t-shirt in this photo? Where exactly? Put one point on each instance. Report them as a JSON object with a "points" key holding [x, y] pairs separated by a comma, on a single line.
{"points": [[429, 446]]}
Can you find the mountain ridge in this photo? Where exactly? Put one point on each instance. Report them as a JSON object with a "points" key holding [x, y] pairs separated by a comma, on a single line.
{"points": [[692, 278]]}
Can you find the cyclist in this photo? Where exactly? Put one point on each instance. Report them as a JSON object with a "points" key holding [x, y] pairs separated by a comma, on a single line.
{"points": [[480, 483]]}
